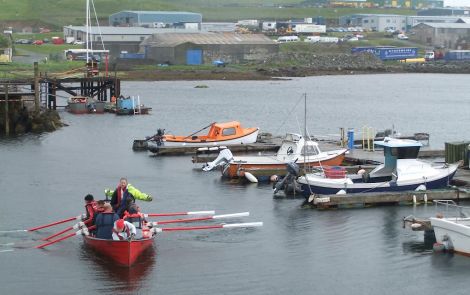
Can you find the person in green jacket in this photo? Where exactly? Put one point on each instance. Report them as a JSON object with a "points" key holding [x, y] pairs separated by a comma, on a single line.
{"points": [[124, 195]]}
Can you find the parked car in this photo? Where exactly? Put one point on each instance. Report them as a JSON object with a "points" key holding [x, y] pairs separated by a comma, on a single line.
{"points": [[38, 42], [219, 63], [402, 37], [78, 42]]}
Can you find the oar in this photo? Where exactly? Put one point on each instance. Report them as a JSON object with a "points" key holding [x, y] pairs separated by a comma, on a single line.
{"points": [[179, 213], [201, 218], [55, 223], [84, 231], [78, 225], [217, 226]]}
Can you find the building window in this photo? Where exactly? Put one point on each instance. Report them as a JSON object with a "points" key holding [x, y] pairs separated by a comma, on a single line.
{"points": [[372, 21], [142, 38], [388, 21], [366, 21]]}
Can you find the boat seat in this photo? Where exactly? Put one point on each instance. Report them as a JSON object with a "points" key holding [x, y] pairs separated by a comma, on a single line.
{"points": [[194, 137]]}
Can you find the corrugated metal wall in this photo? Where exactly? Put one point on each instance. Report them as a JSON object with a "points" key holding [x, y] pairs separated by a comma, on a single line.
{"points": [[456, 151]]}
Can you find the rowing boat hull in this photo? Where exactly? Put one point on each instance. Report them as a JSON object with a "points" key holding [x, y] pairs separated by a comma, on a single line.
{"points": [[122, 252], [247, 138], [237, 169]]}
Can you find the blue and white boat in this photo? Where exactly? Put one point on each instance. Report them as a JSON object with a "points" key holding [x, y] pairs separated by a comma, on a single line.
{"points": [[401, 171]]}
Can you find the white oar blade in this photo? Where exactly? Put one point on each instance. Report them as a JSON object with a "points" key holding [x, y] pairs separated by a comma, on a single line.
{"points": [[233, 215], [201, 213], [247, 224]]}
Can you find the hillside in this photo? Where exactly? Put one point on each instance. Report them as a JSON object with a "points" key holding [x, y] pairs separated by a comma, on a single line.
{"points": [[56, 13]]}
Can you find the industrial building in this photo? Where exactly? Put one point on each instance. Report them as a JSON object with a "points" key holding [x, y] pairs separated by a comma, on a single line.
{"points": [[155, 19], [413, 20], [448, 35], [374, 22], [204, 48], [445, 11], [115, 39]]}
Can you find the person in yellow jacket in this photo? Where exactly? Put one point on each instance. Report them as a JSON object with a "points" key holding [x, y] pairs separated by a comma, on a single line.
{"points": [[124, 195]]}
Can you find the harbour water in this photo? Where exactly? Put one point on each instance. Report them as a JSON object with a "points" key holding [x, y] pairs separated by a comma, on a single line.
{"points": [[44, 178]]}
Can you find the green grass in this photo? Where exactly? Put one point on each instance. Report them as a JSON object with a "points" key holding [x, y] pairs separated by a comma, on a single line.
{"points": [[44, 49], [57, 13]]}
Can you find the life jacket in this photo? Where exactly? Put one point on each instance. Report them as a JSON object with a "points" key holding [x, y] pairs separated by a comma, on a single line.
{"points": [[136, 219], [105, 224], [90, 208], [119, 233]]}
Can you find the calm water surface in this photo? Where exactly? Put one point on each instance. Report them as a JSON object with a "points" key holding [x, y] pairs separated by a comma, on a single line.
{"points": [[362, 251]]}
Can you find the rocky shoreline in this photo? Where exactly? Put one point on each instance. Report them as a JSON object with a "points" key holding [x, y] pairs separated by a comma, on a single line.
{"points": [[301, 64]]}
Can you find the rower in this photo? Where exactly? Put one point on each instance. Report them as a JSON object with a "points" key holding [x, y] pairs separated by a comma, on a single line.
{"points": [[105, 222], [90, 207], [134, 216], [123, 230]]}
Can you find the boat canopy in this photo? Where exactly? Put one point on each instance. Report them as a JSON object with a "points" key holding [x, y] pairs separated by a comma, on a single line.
{"points": [[225, 129], [397, 149]]}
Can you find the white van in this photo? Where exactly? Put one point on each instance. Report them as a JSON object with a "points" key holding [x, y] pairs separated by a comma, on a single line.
{"points": [[312, 39], [285, 39]]}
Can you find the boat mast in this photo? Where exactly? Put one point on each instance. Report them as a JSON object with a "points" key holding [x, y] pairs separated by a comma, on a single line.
{"points": [[87, 27], [305, 115]]}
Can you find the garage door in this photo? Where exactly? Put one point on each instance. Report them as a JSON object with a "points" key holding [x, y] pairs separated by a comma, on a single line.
{"points": [[194, 57]]}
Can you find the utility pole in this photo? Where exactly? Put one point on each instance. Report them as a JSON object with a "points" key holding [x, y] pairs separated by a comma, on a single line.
{"points": [[36, 87], [7, 117]]}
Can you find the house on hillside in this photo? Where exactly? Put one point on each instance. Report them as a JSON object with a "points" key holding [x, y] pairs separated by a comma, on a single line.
{"points": [[204, 48]]}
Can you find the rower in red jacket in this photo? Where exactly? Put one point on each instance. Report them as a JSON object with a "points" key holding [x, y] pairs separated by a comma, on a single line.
{"points": [[91, 208]]}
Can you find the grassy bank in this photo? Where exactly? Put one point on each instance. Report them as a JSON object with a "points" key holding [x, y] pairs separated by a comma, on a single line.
{"points": [[56, 14]]}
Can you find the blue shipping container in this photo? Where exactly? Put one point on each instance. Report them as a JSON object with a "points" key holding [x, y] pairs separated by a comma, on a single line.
{"points": [[370, 49], [194, 57], [457, 55], [396, 53]]}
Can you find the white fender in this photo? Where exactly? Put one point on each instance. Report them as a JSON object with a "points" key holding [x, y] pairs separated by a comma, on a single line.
{"points": [[421, 187], [251, 177], [341, 192]]}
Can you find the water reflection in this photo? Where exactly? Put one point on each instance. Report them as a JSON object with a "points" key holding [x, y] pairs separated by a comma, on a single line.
{"points": [[120, 278]]}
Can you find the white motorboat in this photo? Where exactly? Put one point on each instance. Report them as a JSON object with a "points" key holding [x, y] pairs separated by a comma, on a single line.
{"points": [[452, 227], [401, 171]]}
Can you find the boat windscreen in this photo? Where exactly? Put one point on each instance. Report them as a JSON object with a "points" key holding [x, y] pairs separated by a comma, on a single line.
{"points": [[405, 152]]}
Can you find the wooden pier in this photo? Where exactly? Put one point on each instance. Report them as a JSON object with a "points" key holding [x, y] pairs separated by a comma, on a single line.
{"points": [[382, 199], [41, 92]]}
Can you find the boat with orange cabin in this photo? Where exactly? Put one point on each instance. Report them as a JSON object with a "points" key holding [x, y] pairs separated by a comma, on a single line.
{"points": [[227, 133]]}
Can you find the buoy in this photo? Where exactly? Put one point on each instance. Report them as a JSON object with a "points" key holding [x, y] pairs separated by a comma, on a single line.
{"points": [[310, 199], [251, 177], [414, 199], [438, 247], [425, 198], [416, 226], [274, 178]]}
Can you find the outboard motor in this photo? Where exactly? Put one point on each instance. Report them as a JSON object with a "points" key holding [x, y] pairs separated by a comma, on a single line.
{"points": [[224, 157], [292, 173], [158, 138]]}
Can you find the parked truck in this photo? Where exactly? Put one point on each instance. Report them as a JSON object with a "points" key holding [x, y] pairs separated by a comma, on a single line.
{"points": [[309, 28]]}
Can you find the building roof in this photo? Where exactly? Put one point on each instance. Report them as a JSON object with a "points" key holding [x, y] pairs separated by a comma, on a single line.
{"points": [[171, 40], [157, 12], [447, 25], [108, 30]]}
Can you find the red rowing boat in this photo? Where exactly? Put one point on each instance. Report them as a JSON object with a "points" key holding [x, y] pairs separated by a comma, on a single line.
{"points": [[121, 252]]}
